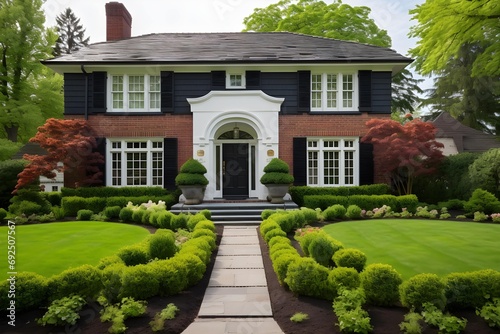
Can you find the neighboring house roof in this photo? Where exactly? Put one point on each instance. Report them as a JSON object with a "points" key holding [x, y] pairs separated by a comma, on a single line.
{"points": [[250, 47], [466, 139], [29, 148]]}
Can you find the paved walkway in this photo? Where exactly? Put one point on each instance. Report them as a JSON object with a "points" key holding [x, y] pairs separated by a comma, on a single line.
{"points": [[236, 300]]}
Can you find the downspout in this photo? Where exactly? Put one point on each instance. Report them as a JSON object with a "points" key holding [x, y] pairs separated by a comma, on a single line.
{"points": [[86, 92]]}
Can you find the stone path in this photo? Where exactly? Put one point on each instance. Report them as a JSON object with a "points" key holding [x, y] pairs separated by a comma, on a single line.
{"points": [[236, 300]]}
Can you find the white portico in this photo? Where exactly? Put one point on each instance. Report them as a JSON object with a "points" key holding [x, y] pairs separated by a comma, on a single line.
{"points": [[235, 134]]}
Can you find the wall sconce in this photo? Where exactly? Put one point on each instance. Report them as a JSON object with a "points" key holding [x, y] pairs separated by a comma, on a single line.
{"points": [[236, 131]]}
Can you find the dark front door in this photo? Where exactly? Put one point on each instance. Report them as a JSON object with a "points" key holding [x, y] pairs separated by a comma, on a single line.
{"points": [[235, 171]]}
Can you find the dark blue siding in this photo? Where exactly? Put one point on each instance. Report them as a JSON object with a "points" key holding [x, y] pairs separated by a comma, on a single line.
{"points": [[189, 85], [381, 92], [74, 93], [281, 85]]}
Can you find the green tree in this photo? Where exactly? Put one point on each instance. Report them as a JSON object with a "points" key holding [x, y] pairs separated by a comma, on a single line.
{"points": [[444, 26], [338, 21], [473, 100], [484, 173], [24, 42], [71, 33]]}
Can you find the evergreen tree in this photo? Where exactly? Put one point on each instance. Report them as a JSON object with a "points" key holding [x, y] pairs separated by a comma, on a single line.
{"points": [[71, 33]]}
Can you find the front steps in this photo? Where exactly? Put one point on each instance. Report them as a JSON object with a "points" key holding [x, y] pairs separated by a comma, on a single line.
{"points": [[234, 212]]}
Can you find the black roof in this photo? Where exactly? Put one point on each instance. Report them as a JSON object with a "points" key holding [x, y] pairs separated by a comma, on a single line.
{"points": [[31, 149], [247, 47]]}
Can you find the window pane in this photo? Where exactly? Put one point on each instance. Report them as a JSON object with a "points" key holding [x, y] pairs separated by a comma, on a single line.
{"points": [[331, 170], [136, 169], [116, 169], [235, 80], [157, 168], [154, 92], [347, 94], [316, 91], [331, 89], [349, 168], [312, 170]]}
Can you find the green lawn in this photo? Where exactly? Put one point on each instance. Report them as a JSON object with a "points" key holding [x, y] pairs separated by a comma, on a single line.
{"points": [[423, 246], [48, 249]]}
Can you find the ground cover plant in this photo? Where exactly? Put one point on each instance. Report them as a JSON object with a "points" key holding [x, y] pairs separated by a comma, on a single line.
{"points": [[48, 249], [408, 245]]}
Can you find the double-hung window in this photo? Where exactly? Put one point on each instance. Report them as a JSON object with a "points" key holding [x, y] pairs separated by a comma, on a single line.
{"points": [[333, 92], [235, 81], [135, 163], [130, 93], [332, 161]]}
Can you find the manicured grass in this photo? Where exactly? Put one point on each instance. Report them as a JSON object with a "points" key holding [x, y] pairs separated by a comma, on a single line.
{"points": [[48, 249], [423, 246]]}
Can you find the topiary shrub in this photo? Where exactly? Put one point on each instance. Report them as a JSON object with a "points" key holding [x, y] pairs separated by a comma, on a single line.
{"points": [[306, 277], [139, 282], [84, 280], [195, 266], [306, 236], [279, 240], [108, 261], [112, 212], [310, 215], [191, 173], [353, 212], [277, 232], [203, 232], [276, 172], [281, 263], [133, 255], [162, 245], [206, 225], [111, 281], [193, 220], [343, 278], [126, 215], [137, 215], [335, 211], [28, 202], [380, 283], [267, 226], [267, 213], [178, 221], [423, 288], [207, 213], [190, 248], [30, 291], [322, 248], [471, 289], [483, 201], [171, 276], [164, 219], [84, 214], [350, 258]]}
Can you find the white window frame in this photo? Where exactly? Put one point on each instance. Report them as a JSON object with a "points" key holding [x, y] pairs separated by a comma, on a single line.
{"points": [[316, 153], [125, 92], [229, 83], [338, 92], [119, 147]]}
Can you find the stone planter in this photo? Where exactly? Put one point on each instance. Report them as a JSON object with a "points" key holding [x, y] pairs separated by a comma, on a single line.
{"points": [[277, 192], [193, 194]]}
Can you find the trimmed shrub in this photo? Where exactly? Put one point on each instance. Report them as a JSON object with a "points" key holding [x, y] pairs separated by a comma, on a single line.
{"points": [[267, 213], [139, 282], [3, 214], [112, 281], [193, 220], [126, 215], [84, 214], [205, 224], [54, 197], [164, 218], [335, 211], [84, 280], [72, 205], [277, 232], [162, 245], [286, 220], [268, 225], [178, 221], [324, 201], [137, 215], [210, 240], [171, 276], [299, 192], [353, 212], [370, 202], [409, 202], [282, 262], [207, 213], [25, 207], [112, 212], [279, 240], [306, 277], [21, 203], [306, 238], [105, 192], [31, 291], [483, 201], [199, 232], [284, 250], [423, 288], [191, 248], [133, 255], [9, 170], [350, 258], [310, 215], [195, 266], [471, 289], [108, 261], [322, 248], [343, 278], [380, 283]]}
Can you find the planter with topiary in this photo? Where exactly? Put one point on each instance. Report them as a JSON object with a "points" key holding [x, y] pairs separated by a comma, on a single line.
{"points": [[277, 179], [192, 181]]}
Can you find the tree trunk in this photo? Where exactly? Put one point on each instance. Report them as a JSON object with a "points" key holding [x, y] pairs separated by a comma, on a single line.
{"points": [[11, 132]]}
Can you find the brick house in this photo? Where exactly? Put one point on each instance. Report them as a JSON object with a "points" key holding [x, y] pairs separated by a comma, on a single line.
{"points": [[231, 100]]}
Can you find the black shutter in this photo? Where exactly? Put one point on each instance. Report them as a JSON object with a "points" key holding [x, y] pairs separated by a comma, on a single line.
{"points": [[167, 91], [170, 152], [218, 80], [253, 80], [300, 161], [99, 92], [304, 91], [366, 165], [365, 90], [101, 148]]}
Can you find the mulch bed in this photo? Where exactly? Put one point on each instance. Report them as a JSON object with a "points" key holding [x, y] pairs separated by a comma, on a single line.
{"points": [[284, 304]]}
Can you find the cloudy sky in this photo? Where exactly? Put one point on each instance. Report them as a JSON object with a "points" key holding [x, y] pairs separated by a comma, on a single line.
{"points": [[159, 16]]}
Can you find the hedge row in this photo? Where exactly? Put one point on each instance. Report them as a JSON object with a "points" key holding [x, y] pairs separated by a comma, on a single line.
{"points": [[114, 192], [381, 283], [115, 280], [299, 192], [71, 205], [365, 202]]}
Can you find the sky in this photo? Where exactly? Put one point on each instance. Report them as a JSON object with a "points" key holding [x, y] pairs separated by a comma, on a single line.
{"points": [[163, 16]]}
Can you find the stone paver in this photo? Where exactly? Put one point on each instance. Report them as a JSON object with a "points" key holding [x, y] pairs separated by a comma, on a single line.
{"points": [[239, 231], [240, 240], [238, 277], [251, 301], [239, 262], [234, 326], [235, 250]]}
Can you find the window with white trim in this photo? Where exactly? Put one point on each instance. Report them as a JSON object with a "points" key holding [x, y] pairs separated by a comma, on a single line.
{"points": [[333, 92], [332, 161], [235, 80], [135, 162], [135, 92]]}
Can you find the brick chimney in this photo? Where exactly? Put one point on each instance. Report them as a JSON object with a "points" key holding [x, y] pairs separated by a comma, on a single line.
{"points": [[118, 21]]}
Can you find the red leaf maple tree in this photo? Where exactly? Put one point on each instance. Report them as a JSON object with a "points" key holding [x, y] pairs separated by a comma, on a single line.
{"points": [[404, 151], [71, 142]]}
